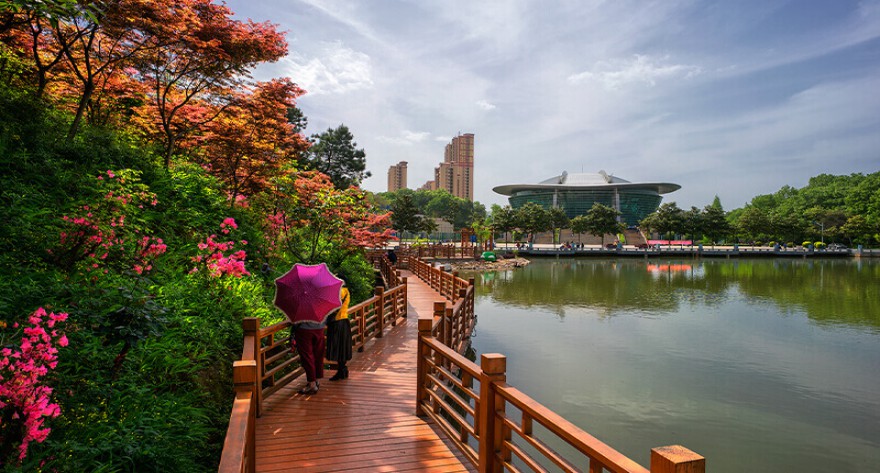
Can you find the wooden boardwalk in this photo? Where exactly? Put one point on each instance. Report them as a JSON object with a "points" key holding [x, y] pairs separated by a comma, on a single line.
{"points": [[366, 422]]}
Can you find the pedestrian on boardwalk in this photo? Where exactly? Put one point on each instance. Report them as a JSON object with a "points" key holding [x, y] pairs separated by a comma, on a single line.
{"points": [[392, 256], [339, 336], [309, 337]]}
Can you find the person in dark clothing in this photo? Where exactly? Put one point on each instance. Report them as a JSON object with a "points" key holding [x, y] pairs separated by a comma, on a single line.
{"points": [[392, 256], [339, 337]]}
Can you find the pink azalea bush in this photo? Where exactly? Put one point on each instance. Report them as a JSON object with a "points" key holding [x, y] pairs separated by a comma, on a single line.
{"points": [[24, 400], [106, 232], [220, 257]]}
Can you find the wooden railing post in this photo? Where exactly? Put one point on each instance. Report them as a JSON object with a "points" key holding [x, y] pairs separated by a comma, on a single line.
{"points": [[440, 313], [425, 326], [380, 311], [448, 322], [676, 459], [251, 328], [244, 378], [493, 370], [453, 293], [405, 297]]}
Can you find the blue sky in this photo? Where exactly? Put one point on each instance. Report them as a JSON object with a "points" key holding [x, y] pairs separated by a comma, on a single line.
{"points": [[727, 98]]}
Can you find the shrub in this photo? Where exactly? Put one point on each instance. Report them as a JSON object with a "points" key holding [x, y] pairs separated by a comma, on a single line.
{"points": [[819, 245]]}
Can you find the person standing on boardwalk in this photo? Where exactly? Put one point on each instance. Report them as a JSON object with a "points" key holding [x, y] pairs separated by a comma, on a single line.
{"points": [[309, 338], [339, 336]]}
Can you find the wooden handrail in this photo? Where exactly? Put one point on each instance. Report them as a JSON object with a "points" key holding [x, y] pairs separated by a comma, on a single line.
{"points": [[272, 364], [445, 392]]}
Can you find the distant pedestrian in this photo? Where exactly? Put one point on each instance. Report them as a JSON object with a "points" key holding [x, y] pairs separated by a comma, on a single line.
{"points": [[392, 256]]}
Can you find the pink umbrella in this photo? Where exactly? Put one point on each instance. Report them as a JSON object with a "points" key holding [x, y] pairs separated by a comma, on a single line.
{"points": [[307, 293]]}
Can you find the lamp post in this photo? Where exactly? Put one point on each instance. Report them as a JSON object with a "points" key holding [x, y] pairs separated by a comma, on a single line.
{"points": [[822, 226]]}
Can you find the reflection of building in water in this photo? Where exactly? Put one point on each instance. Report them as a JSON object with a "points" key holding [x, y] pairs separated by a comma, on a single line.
{"points": [[576, 194]]}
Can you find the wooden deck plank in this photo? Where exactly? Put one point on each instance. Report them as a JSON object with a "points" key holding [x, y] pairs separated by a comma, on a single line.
{"points": [[366, 422]]}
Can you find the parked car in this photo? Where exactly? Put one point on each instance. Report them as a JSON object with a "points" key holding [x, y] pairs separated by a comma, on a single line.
{"points": [[837, 246]]}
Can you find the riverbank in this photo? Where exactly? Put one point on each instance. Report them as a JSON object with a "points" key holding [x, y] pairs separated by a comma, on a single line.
{"points": [[480, 265]]}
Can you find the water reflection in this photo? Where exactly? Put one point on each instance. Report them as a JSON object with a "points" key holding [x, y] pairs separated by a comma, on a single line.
{"points": [[829, 291], [760, 365]]}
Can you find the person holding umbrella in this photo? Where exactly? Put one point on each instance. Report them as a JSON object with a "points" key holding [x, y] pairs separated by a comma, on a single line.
{"points": [[308, 294], [339, 336]]}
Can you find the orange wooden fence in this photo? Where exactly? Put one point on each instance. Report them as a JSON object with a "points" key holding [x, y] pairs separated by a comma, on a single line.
{"points": [[496, 426], [268, 363]]}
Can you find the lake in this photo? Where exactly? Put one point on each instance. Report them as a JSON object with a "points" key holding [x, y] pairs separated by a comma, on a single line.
{"points": [[760, 365]]}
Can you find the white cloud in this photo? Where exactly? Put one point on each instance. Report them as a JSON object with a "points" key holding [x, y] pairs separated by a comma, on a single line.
{"points": [[336, 70], [406, 137], [485, 105], [640, 69]]}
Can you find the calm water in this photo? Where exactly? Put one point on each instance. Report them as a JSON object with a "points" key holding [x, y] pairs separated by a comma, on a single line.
{"points": [[759, 365]]}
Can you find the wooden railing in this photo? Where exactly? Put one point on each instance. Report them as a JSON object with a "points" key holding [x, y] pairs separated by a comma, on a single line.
{"points": [[268, 363], [492, 423]]}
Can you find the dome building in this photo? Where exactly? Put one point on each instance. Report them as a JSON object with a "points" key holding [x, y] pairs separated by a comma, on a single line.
{"points": [[576, 193]]}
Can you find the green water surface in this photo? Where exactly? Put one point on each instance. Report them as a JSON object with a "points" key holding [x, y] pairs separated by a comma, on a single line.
{"points": [[759, 365]]}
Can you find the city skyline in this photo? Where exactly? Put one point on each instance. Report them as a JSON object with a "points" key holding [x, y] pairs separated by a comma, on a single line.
{"points": [[733, 99]]}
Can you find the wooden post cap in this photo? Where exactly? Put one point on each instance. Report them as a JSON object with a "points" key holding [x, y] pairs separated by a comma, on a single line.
{"points": [[425, 325], [676, 459], [493, 363]]}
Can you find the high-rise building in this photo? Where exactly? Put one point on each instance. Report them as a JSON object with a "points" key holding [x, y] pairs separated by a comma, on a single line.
{"points": [[456, 172], [397, 177]]}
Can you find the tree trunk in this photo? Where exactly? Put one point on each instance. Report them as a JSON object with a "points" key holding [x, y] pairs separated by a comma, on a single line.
{"points": [[80, 109]]}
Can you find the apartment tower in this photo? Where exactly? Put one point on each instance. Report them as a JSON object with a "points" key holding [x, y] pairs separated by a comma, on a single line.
{"points": [[397, 177], [456, 172]]}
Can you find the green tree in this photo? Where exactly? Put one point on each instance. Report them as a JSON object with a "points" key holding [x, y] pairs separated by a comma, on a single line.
{"points": [[602, 220], [558, 221], [715, 223], [503, 219], [579, 225], [666, 220], [753, 223], [405, 215], [335, 154], [532, 218], [692, 223]]}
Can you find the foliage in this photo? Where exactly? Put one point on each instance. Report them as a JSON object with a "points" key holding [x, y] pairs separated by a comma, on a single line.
{"points": [[461, 213], [601, 220], [335, 154]]}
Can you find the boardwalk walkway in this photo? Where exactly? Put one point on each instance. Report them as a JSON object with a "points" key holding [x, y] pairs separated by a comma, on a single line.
{"points": [[364, 423]]}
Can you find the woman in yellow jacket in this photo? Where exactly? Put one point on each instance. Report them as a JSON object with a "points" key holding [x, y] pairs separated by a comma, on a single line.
{"points": [[339, 337]]}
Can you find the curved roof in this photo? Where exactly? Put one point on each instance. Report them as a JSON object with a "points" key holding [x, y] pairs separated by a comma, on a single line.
{"points": [[583, 181]]}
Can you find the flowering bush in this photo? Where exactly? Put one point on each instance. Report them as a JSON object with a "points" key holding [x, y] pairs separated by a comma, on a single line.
{"points": [[106, 231], [220, 257], [24, 401]]}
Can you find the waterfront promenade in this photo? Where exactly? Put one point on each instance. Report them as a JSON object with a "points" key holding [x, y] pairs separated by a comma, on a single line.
{"points": [[364, 423]]}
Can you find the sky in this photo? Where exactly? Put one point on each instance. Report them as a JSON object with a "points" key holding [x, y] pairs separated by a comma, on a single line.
{"points": [[727, 98]]}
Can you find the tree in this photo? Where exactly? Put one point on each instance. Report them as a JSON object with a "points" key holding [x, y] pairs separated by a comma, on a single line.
{"points": [[667, 219], [579, 225], [692, 222], [602, 220], [857, 229], [405, 216], [558, 220], [503, 219], [715, 223], [307, 218], [753, 223], [532, 218], [336, 155], [197, 60], [252, 139]]}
